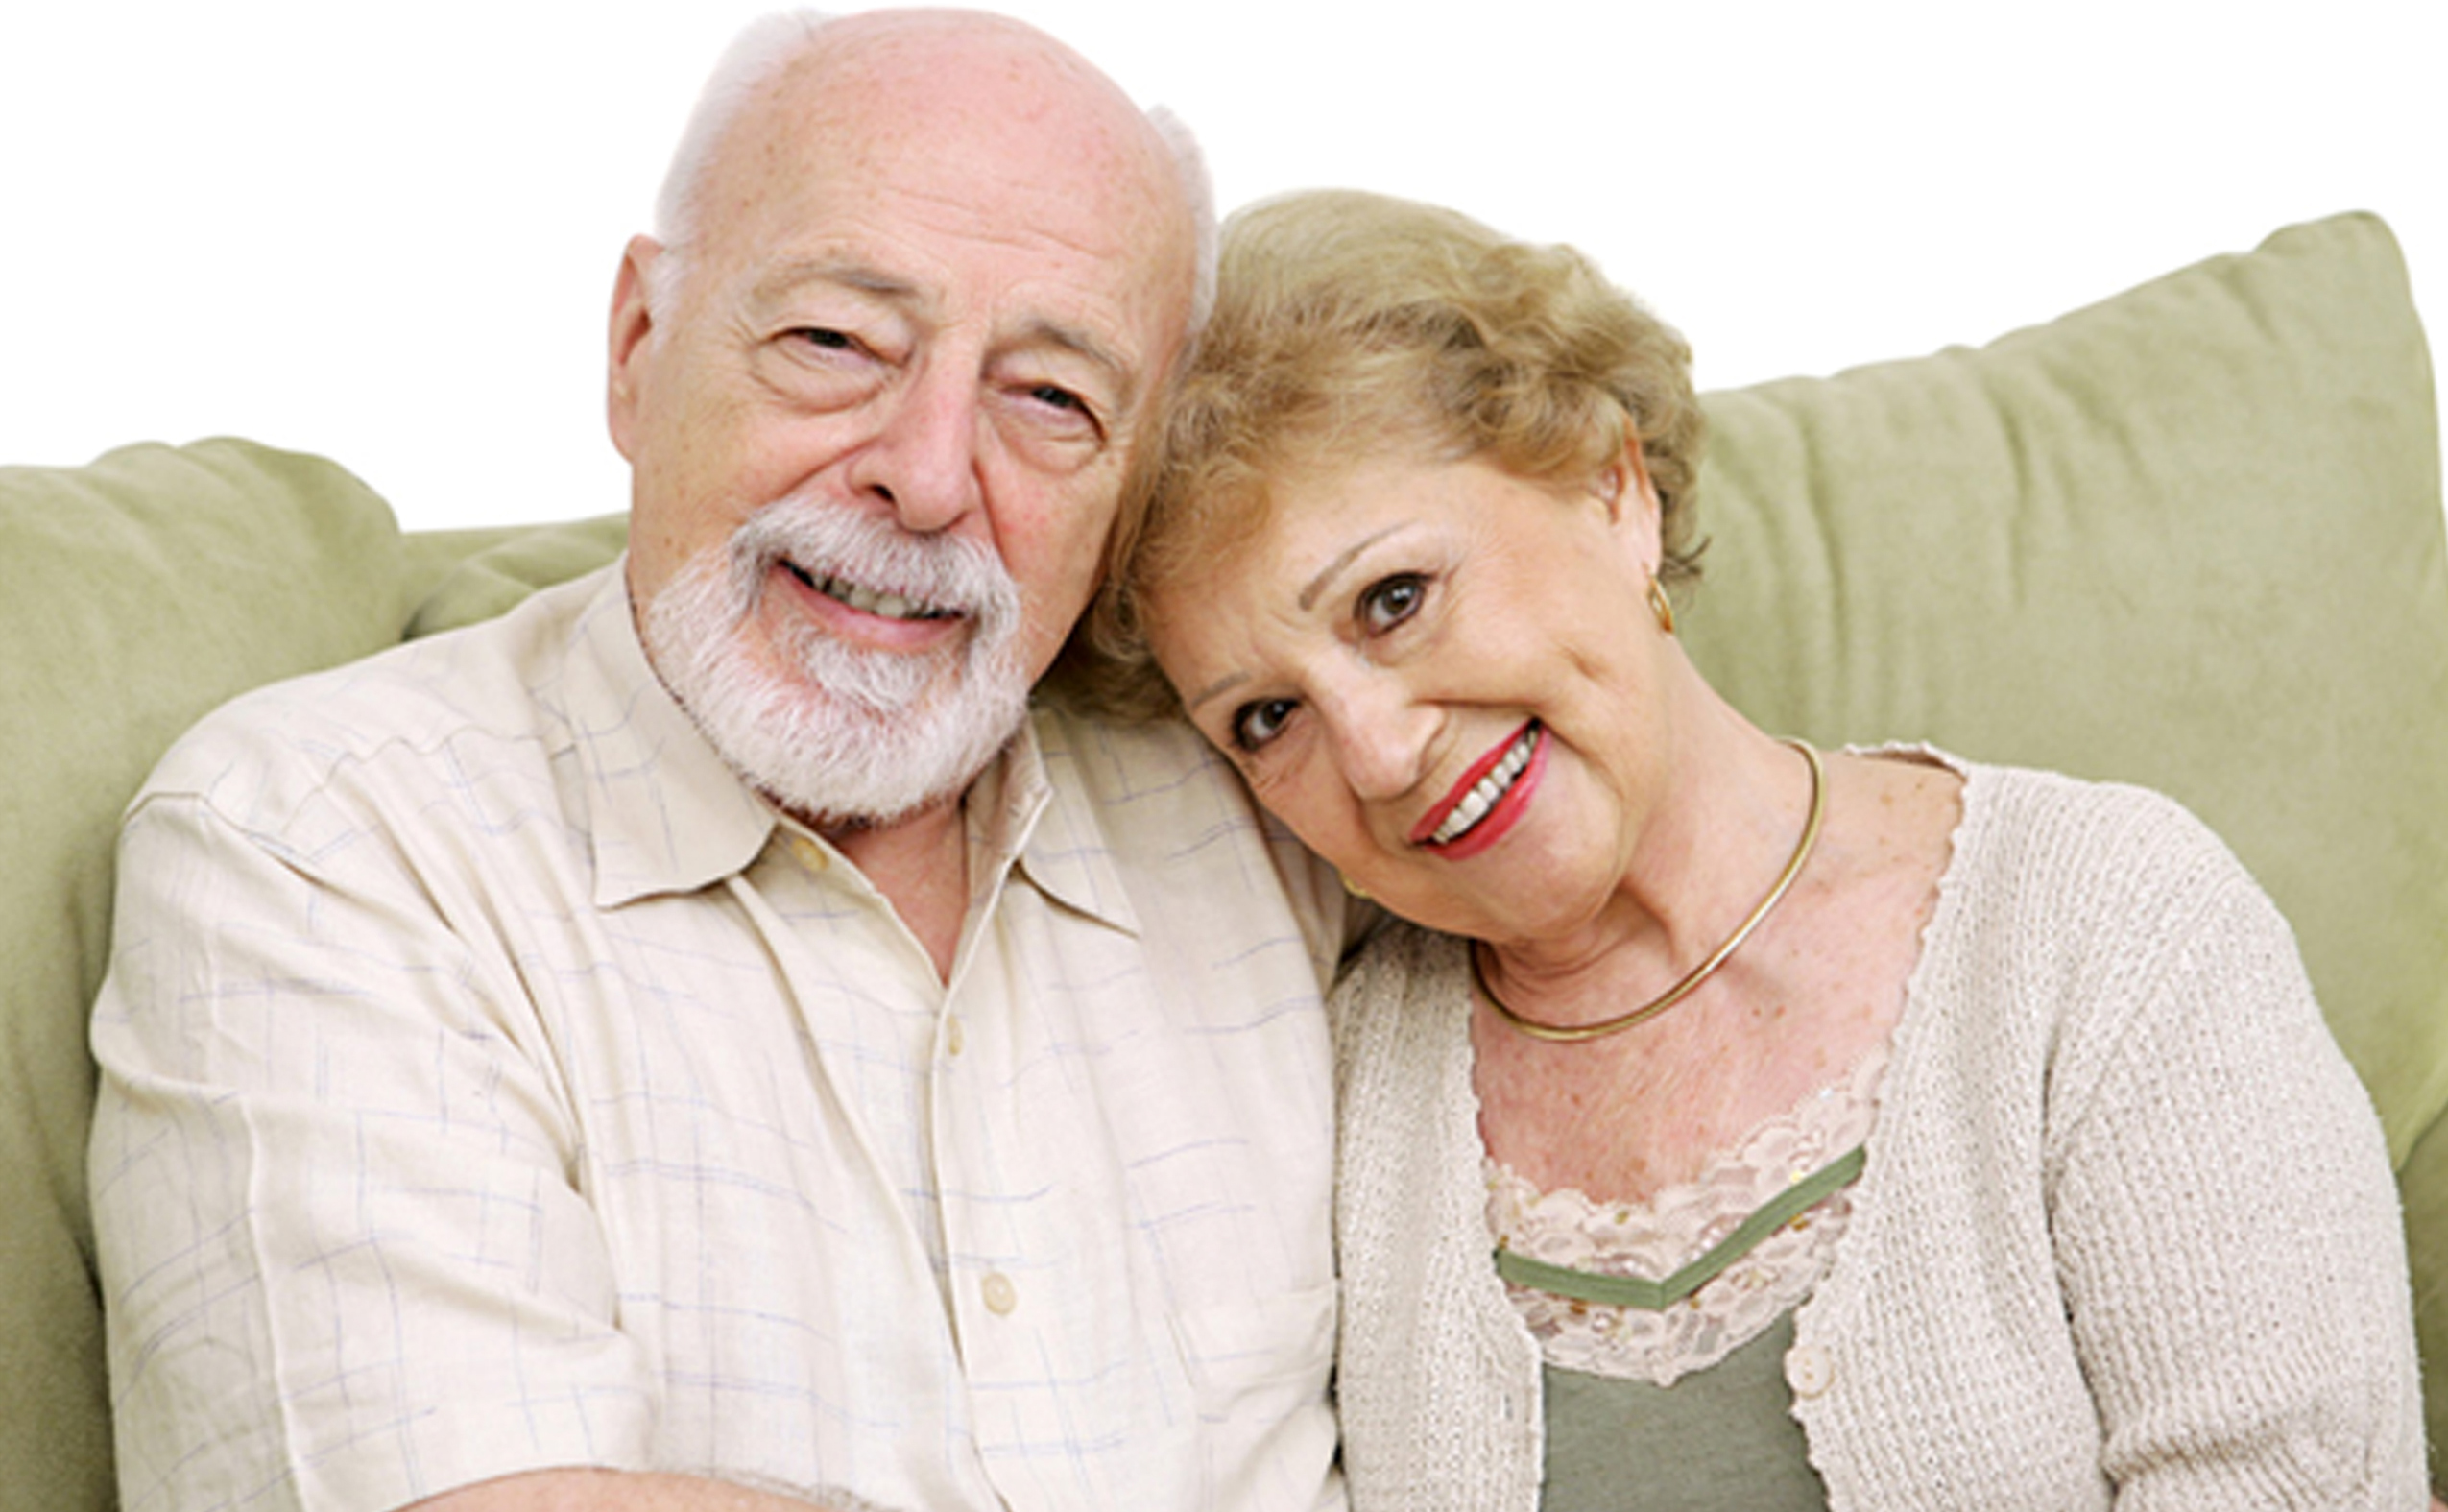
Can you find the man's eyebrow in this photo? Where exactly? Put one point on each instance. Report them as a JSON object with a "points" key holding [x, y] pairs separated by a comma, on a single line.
{"points": [[791, 277], [1342, 559]]}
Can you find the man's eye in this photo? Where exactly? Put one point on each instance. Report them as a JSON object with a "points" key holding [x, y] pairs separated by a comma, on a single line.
{"points": [[1255, 723], [1067, 408], [1389, 601], [820, 368]]}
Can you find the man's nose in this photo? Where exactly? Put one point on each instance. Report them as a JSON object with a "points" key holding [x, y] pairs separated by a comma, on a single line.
{"points": [[922, 459]]}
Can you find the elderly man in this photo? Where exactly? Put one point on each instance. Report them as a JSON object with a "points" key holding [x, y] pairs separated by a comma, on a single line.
{"points": [[703, 1040]]}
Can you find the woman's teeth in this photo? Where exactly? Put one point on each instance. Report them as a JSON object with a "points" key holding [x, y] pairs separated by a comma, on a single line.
{"points": [[1484, 793]]}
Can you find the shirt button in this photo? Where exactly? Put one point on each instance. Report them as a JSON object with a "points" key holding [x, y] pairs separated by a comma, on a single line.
{"points": [[952, 1037], [811, 856], [1809, 1370], [1001, 1296]]}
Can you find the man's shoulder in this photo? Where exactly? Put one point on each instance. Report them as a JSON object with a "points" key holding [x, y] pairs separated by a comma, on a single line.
{"points": [[1129, 766], [494, 686], [1160, 799], [1155, 788]]}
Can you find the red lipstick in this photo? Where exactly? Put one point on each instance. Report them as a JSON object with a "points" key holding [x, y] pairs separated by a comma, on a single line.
{"points": [[1502, 815]]}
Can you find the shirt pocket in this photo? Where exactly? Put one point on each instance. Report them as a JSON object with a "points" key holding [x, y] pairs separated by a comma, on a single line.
{"points": [[1269, 1347], [1259, 1374]]}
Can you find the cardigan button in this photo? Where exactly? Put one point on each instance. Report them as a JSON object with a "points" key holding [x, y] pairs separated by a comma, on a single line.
{"points": [[1809, 1370]]}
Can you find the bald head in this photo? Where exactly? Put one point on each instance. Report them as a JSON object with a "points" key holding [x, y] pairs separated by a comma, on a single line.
{"points": [[950, 83]]}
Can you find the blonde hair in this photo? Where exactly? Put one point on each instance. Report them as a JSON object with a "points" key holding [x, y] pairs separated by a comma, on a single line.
{"points": [[1348, 324]]}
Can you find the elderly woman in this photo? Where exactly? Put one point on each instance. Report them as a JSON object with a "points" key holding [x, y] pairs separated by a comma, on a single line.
{"points": [[1730, 1123]]}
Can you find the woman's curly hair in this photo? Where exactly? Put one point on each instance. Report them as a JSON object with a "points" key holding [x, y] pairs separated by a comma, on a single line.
{"points": [[1349, 325]]}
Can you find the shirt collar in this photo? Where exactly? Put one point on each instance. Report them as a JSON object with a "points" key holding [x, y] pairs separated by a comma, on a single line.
{"points": [[666, 812], [1067, 855]]}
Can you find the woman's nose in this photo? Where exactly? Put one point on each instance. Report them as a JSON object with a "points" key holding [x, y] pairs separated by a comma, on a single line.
{"points": [[1381, 735]]}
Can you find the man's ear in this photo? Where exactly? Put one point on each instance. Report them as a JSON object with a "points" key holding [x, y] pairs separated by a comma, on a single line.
{"points": [[633, 328]]}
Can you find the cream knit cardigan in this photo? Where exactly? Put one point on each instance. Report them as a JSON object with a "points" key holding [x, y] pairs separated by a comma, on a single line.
{"points": [[2127, 1236]]}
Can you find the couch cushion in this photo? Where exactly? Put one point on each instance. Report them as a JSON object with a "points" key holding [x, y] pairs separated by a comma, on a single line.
{"points": [[136, 594], [2191, 537], [489, 571]]}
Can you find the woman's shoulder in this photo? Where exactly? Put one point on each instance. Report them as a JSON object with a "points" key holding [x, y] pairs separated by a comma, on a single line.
{"points": [[1399, 964], [2073, 841], [1392, 986], [2087, 894], [1401, 948]]}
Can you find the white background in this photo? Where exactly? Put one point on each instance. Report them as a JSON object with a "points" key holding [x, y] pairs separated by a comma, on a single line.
{"points": [[388, 234]]}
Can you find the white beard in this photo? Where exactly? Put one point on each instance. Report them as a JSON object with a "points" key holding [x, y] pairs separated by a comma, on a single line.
{"points": [[833, 733]]}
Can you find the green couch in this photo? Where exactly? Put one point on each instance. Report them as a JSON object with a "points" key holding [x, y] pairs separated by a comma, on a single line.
{"points": [[2190, 537]]}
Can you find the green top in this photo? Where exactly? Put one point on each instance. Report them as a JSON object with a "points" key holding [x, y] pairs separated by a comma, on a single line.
{"points": [[1724, 1437], [1720, 1437]]}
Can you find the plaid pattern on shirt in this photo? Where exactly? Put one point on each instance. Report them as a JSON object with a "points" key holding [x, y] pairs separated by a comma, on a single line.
{"points": [[492, 1083]]}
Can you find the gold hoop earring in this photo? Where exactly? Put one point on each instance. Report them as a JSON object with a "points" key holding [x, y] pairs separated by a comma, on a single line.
{"points": [[1662, 607]]}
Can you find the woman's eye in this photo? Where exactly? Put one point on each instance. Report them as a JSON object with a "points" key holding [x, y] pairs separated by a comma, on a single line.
{"points": [[1253, 725], [1390, 601], [827, 338]]}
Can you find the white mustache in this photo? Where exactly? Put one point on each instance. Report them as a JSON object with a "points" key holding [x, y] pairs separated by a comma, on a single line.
{"points": [[874, 564]]}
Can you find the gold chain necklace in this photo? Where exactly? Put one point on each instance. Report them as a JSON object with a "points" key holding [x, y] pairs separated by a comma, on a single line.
{"points": [[1567, 1034]]}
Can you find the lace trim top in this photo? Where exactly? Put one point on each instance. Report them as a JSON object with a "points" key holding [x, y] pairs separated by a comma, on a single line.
{"points": [[1678, 1225]]}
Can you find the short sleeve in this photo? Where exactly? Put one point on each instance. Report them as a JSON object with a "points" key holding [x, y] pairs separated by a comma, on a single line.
{"points": [[345, 1259]]}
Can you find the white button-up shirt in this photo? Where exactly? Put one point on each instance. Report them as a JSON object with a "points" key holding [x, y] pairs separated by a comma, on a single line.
{"points": [[491, 1081]]}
